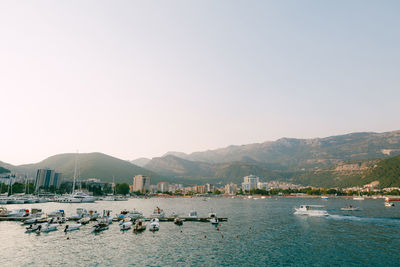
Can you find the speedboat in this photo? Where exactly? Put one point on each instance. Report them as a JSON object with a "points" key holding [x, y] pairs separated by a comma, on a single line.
{"points": [[358, 198], [34, 227], [350, 208], [125, 226], [134, 214], [58, 220], [100, 227], [140, 225], [80, 213], [84, 220], [47, 228], [311, 210], [36, 220], [57, 213], [18, 213], [324, 197], [178, 221], [154, 225], [83, 197], [213, 218], [124, 220], [389, 204], [158, 213], [72, 227]]}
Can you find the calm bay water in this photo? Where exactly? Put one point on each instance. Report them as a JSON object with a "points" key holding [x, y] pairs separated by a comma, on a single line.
{"points": [[262, 232]]}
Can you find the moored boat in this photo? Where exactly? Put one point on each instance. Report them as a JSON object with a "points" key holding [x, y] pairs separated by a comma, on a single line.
{"points": [[139, 226], [72, 227], [100, 227], [154, 225], [158, 213], [213, 218], [125, 226], [389, 204], [178, 221]]}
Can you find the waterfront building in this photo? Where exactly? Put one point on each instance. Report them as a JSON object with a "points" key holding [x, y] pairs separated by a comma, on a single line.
{"points": [[141, 183], [163, 187], [250, 182], [262, 185], [230, 189], [46, 178]]}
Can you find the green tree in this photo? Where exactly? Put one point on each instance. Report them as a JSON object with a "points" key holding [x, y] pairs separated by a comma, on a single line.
{"points": [[122, 189]]}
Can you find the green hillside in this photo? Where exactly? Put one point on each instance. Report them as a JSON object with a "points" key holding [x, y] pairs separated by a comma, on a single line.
{"points": [[92, 165], [4, 170]]}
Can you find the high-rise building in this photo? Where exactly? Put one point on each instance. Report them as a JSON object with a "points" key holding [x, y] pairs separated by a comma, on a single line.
{"points": [[141, 183], [162, 187], [230, 189], [250, 182], [46, 178]]}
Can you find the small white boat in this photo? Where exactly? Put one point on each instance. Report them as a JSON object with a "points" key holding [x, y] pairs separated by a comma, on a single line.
{"points": [[72, 227], [154, 225], [213, 218], [80, 213], [324, 197], [158, 213], [140, 225], [124, 220], [350, 208], [358, 198], [125, 226], [178, 221], [36, 220], [18, 213], [34, 227], [311, 210], [48, 228], [84, 220], [56, 213], [58, 220], [100, 227], [389, 204]]}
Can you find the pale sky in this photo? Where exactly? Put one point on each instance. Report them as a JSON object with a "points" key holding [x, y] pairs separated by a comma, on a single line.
{"points": [[140, 78]]}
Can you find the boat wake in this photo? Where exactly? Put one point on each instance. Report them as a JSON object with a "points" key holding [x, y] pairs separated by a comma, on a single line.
{"points": [[385, 221]]}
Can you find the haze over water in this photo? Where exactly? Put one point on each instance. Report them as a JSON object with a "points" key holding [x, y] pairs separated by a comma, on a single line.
{"points": [[277, 236]]}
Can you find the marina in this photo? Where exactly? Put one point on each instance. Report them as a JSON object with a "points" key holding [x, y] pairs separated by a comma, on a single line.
{"points": [[257, 231]]}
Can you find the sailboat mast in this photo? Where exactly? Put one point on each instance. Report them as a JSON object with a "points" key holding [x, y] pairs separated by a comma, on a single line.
{"points": [[73, 184]]}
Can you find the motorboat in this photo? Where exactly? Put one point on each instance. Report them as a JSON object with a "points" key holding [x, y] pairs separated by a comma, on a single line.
{"points": [[83, 197], [72, 227], [80, 213], [58, 220], [213, 218], [178, 221], [18, 213], [139, 226], [154, 224], [125, 226], [124, 220], [36, 220], [120, 198], [45, 228], [311, 210], [56, 213], [34, 227], [193, 214], [15, 200], [324, 197], [100, 227], [389, 204], [350, 208], [84, 220], [134, 214], [93, 215], [68, 199], [358, 197], [158, 213]]}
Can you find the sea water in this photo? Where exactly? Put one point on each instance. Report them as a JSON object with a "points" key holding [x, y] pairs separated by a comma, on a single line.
{"points": [[259, 232]]}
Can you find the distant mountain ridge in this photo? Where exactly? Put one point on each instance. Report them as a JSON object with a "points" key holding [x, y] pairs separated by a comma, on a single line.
{"points": [[306, 153], [343, 160]]}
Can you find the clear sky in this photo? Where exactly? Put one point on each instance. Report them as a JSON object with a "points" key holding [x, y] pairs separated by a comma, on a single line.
{"points": [[140, 78]]}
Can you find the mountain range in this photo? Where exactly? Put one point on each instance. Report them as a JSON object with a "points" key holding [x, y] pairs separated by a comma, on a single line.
{"points": [[342, 160]]}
